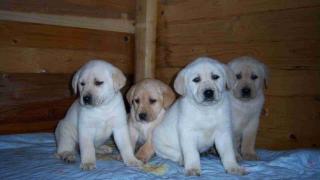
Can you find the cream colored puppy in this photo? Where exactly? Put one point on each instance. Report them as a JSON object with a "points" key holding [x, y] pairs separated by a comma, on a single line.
{"points": [[94, 116], [199, 118], [149, 100], [247, 101]]}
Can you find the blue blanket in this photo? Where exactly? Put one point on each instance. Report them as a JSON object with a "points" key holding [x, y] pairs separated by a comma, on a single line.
{"points": [[31, 156]]}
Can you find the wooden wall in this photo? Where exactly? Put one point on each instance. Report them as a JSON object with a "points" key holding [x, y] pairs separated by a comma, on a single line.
{"points": [[37, 61], [284, 34]]}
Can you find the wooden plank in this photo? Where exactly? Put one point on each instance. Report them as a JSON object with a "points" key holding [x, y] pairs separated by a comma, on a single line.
{"points": [[281, 55], [33, 116], [292, 122], [30, 127], [45, 48], [89, 8], [290, 25], [117, 25], [284, 83], [16, 89], [46, 36], [44, 60], [176, 10], [145, 37]]}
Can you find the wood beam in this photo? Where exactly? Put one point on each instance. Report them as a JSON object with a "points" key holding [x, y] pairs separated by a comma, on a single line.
{"points": [[145, 39], [107, 24]]}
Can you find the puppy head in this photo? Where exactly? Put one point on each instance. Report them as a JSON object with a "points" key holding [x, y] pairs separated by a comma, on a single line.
{"points": [[148, 97], [97, 82], [204, 80], [250, 77]]}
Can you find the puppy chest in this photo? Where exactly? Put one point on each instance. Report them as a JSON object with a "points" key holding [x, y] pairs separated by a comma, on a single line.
{"points": [[205, 139], [144, 131], [102, 134]]}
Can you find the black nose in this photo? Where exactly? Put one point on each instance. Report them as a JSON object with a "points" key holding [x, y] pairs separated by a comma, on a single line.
{"points": [[87, 99], [208, 93], [143, 116], [246, 92]]}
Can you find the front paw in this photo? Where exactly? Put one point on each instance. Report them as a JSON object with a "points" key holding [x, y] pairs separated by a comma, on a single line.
{"points": [[193, 172], [87, 166], [134, 163], [250, 156], [143, 157], [236, 170], [67, 156]]}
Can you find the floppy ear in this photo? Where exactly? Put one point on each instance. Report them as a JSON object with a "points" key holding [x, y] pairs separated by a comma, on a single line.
{"points": [[168, 94], [119, 80], [179, 83], [130, 94], [75, 80], [230, 79]]}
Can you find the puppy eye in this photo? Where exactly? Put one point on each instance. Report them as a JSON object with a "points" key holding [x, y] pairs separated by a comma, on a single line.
{"points": [[215, 77], [82, 84], [197, 79], [254, 77], [98, 83], [152, 101], [238, 76], [137, 101]]}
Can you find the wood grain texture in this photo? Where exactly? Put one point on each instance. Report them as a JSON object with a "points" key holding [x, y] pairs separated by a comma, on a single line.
{"points": [[52, 49], [301, 54], [290, 25], [16, 34], [285, 35], [41, 116], [185, 10], [39, 60], [145, 39], [291, 122], [105, 24], [89, 8]]}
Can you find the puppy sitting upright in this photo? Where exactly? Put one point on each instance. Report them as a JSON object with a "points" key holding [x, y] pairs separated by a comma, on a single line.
{"points": [[94, 116], [149, 100], [199, 118], [247, 100]]}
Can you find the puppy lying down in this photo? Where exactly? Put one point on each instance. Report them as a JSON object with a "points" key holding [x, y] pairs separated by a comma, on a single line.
{"points": [[200, 118], [94, 116], [247, 101], [149, 100]]}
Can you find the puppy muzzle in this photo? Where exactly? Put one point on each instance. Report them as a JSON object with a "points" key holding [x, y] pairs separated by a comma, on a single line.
{"points": [[246, 92], [87, 100], [143, 117]]}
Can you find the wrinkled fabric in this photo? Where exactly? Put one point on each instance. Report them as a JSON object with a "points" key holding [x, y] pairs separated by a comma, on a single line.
{"points": [[31, 156]]}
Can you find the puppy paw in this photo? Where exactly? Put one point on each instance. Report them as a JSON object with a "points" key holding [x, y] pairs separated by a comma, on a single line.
{"points": [[250, 156], [104, 149], [142, 157], [237, 170], [87, 166], [134, 163], [193, 172], [67, 156]]}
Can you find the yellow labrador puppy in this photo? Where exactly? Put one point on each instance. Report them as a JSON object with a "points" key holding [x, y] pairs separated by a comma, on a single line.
{"points": [[247, 101], [199, 118], [149, 100], [94, 116]]}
